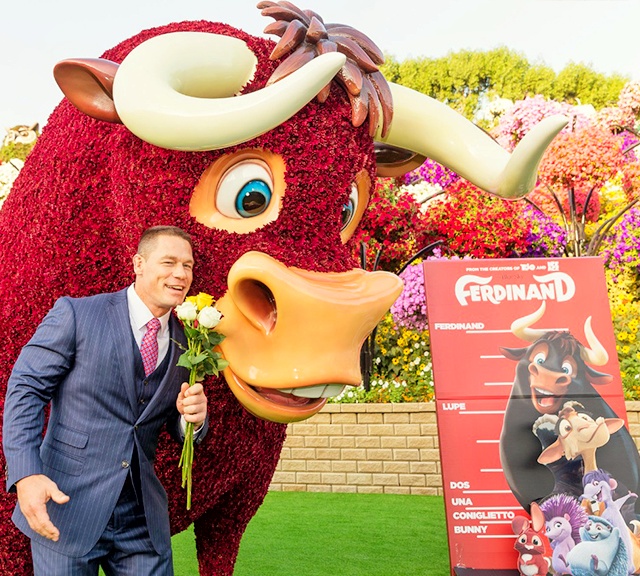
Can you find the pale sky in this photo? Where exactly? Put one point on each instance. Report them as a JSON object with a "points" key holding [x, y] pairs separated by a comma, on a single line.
{"points": [[35, 34]]}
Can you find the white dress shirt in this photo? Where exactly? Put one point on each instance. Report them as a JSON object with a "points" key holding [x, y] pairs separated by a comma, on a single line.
{"points": [[139, 316]]}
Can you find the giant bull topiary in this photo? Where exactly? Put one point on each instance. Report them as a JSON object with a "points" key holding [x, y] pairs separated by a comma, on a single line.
{"points": [[265, 154]]}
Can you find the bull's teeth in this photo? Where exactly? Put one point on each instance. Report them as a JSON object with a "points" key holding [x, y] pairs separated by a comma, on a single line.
{"points": [[309, 391], [318, 391], [333, 390]]}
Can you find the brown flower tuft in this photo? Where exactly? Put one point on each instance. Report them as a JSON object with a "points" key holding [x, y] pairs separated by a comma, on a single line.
{"points": [[304, 35]]}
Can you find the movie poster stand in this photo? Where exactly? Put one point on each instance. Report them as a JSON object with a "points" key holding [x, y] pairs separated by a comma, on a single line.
{"points": [[496, 327]]}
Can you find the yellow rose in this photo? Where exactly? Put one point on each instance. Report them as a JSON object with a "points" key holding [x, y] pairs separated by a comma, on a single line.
{"points": [[203, 300]]}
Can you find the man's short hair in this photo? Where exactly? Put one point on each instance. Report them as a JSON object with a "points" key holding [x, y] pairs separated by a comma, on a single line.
{"points": [[150, 236]]}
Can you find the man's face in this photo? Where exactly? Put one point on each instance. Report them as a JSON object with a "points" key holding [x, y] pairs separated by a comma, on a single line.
{"points": [[164, 276]]}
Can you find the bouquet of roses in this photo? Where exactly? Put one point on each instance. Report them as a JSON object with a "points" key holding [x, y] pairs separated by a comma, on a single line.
{"points": [[199, 318]]}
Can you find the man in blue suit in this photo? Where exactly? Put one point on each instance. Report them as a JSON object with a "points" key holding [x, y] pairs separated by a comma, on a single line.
{"points": [[87, 492]]}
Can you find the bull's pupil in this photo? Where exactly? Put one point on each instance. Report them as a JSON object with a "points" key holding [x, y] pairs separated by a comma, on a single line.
{"points": [[253, 199], [253, 202]]}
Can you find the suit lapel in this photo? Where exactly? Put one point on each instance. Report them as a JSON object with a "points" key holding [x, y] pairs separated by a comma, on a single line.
{"points": [[118, 315]]}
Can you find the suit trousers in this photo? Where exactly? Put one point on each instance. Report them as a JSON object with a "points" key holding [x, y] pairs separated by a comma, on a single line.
{"points": [[124, 549]]}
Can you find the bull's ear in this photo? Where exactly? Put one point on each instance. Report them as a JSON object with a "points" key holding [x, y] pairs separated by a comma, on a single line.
{"points": [[88, 84], [393, 162], [513, 353], [596, 377]]}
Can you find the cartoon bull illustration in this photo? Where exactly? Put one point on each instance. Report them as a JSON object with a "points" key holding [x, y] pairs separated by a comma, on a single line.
{"points": [[554, 369]]}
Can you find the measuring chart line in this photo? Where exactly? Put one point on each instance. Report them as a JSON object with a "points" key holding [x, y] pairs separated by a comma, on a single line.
{"points": [[486, 491], [485, 508]]}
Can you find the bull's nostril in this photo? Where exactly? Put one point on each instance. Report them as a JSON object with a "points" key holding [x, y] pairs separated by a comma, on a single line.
{"points": [[258, 303]]}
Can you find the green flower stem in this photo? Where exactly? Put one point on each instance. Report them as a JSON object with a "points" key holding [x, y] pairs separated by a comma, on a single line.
{"points": [[186, 458]]}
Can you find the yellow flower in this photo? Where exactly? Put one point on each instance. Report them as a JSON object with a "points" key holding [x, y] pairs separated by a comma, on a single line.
{"points": [[203, 300], [406, 351], [622, 336], [416, 336], [625, 350], [395, 361]]}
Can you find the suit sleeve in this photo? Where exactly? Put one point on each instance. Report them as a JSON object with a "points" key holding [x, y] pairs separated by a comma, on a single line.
{"points": [[41, 366]]}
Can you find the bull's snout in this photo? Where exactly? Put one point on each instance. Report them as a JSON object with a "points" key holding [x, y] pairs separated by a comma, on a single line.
{"points": [[548, 388], [293, 337]]}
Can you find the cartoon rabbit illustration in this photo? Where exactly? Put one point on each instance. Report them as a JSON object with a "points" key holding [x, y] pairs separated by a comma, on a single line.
{"points": [[532, 543]]}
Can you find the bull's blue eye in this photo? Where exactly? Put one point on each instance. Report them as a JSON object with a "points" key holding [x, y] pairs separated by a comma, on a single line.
{"points": [[539, 358], [253, 198], [245, 190]]}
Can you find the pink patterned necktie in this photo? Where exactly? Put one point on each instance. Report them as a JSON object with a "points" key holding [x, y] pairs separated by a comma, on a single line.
{"points": [[149, 346]]}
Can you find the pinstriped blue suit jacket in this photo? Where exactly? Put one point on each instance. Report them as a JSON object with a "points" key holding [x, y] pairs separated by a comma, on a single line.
{"points": [[81, 360]]}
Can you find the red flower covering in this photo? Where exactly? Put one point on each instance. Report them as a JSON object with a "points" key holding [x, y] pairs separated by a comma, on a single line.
{"points": [[391, 226], [70, 227], [579, 160], [472, 223]]}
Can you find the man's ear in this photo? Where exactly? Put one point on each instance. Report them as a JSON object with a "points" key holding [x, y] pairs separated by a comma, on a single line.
{"points": [[138, 262]]}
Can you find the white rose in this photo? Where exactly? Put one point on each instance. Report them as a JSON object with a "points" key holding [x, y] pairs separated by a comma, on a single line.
{"points": [[209, 317], [187, 311]]}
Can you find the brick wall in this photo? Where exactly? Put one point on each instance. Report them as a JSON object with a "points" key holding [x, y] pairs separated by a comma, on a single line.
{"points": [[374, 448]]}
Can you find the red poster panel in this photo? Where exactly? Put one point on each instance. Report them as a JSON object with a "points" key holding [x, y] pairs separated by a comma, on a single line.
{"points": [[492, 388]]}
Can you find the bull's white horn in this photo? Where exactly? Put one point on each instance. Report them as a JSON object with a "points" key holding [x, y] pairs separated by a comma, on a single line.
{"points": [[177, 91], [596, 354], [429, 127], [520, 327]]}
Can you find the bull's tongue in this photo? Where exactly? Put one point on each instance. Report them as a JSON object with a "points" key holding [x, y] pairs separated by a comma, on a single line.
{"points": [[281, 398], [546, 401]]}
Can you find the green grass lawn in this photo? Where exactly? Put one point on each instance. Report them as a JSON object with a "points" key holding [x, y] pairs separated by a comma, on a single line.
{"points": [[327, 534]]}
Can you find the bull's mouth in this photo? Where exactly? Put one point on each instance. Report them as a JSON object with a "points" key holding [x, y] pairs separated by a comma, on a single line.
{"points": [[282, 405], [544, 401]]}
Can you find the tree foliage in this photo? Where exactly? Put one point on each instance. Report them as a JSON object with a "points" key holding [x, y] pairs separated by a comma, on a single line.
{"points": [[461, 79]]}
